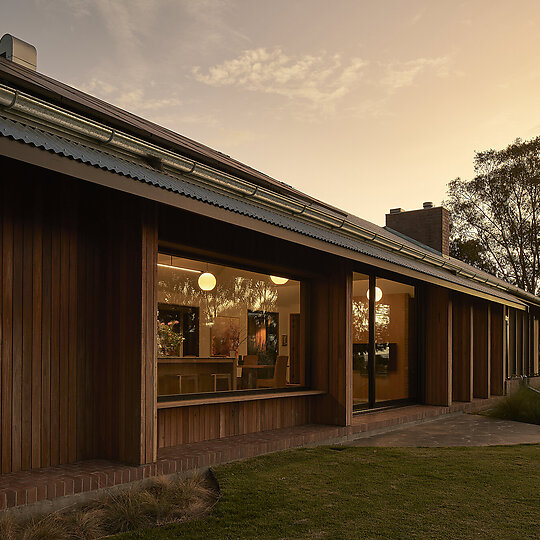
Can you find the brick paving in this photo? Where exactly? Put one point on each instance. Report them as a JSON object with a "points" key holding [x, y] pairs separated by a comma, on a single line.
{"points": [[51, 483], [461, 430]]}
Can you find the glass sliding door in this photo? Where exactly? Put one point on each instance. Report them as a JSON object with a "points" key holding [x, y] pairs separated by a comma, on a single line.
{"points": [[384, 341], [360, 338], [394, 341]]}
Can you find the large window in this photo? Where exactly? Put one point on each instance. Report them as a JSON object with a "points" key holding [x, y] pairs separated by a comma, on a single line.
{"points": [[224, 329]]}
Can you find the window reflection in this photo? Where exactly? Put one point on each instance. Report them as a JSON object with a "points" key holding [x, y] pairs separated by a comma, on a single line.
{"points": [[394, 331], [241, 333], [394, 340]]}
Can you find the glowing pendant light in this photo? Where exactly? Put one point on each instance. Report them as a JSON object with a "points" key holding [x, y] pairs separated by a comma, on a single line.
{"points": [[378, 294], [207, 281], [279, 280]]}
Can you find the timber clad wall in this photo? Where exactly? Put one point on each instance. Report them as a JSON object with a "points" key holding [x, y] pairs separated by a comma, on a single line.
{"points": [[438, 348], [462, 348], [481, 349], [331, 347], [78, 314], [497, 349], [40, 386], [183, 425], [72, 312]]}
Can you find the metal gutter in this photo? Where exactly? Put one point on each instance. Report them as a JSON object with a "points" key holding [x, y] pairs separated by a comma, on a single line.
{"points": [[29, 107]]}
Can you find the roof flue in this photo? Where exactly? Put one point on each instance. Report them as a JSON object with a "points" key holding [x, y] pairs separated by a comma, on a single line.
{"points": [[18, 51]]}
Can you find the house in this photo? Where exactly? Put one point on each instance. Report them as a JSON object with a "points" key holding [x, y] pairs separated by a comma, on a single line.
{"points": [[156, 292]]}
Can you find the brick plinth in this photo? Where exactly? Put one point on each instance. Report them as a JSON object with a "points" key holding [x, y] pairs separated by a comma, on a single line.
{"points": [[28, 487]]}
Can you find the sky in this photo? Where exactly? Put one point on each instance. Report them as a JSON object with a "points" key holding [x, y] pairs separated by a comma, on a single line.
{"points": [[366, 105]]}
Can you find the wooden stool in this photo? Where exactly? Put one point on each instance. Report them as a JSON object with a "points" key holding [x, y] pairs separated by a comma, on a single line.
{"points": [[222, 377], [187, 378]]}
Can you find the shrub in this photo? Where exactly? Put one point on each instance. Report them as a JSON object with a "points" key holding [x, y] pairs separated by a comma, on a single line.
{"points": [[47, 528], [84, 524], [125, 510], [9, 529], [164, 500], [522, 406]]}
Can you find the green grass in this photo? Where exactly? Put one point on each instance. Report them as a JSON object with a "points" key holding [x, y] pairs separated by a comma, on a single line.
{"points": [[354, 492], [522, 406]]}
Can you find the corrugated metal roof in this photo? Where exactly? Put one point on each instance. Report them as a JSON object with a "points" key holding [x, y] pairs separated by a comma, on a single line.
{"points": [[98, 158], [75, 100]]}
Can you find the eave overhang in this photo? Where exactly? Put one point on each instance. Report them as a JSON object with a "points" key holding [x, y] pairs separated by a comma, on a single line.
{"points": [[42, 125]]}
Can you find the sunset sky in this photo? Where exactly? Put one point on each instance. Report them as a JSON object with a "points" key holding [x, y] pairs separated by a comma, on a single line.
{"points": [[367, 105]]}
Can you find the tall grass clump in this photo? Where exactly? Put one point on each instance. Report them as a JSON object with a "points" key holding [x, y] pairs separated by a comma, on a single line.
{"points": [[164, 500], [521, 406], [9, 528]]}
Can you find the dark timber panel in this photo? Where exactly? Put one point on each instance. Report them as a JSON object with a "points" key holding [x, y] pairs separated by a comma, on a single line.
{"points": [[498, 341], [331, 347], [76, 367], [481, 350], [196, 423], [39, 303], [438, 346], [462, 348]]}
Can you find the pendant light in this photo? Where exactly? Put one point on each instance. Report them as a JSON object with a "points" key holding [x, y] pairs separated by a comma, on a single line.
{"points": [[207, 281], [378, 294]]}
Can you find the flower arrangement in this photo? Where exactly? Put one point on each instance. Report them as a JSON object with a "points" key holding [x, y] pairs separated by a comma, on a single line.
{"points": [[169, 338]]}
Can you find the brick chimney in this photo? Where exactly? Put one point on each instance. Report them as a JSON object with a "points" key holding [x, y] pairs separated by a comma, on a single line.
{"points": [[430, 226]]}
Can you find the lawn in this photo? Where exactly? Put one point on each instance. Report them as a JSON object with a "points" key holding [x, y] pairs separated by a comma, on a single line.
{"points": [[354, 492]]}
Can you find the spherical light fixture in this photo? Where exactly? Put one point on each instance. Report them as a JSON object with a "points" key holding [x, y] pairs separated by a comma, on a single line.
{"points": [[207, 281], [279, 280], [378, 294]]}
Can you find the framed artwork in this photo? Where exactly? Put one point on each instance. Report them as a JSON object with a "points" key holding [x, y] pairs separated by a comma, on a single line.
{"points": [[225, 335]]}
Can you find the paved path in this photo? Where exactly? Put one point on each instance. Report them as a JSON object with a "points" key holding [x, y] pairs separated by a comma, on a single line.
{"points": [[457, 430]]}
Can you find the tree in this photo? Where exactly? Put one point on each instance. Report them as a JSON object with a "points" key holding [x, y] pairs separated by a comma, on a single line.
{"points": [[471, 252], [495, 216]]}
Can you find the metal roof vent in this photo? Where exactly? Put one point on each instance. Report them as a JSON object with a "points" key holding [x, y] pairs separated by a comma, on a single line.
{"points": [[427, 205], [18, 51], [396, 210]]}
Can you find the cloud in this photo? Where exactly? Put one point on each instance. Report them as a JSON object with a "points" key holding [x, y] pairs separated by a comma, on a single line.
{"points": [[401, 74], [136, 100], [316, 79], [320, 82]]}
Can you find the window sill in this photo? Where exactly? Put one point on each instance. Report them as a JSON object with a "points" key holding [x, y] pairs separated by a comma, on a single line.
{"points": [[234, 399]]}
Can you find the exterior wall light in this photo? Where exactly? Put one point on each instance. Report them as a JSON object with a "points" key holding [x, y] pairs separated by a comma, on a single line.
{"points": [[378, 294], [279, 280], [207, 281]]}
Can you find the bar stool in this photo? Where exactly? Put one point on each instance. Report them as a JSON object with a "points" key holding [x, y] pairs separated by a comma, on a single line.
{"points": [[222, 377]]}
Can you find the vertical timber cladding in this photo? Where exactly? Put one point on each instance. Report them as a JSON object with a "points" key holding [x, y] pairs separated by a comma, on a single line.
{"points": [[73, 356], [481, 349], [438, 346], [331, 346], [121, 236], [195, 423], [462, 347], [497, 349], [39, 394]]}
